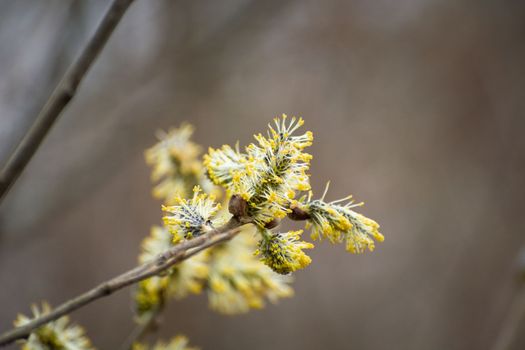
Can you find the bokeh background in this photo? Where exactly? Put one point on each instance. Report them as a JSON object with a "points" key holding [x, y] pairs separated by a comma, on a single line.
{"points": [[417, 107]]}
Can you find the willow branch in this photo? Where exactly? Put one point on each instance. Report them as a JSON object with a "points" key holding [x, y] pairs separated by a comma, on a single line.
{"points": [[164, 261], [511, 325], [61, 96], [514, 321], [149, 324]]}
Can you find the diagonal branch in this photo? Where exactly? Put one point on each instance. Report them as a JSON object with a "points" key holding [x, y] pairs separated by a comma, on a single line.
{"points": [[142, 328], [164, 261], [513, 325], [61, 96], [510, 331]]}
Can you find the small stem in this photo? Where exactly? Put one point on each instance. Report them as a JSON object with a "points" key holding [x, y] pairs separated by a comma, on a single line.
{"points": [[511, 325], [297, 214], [141, 329], [174, 255], [61, 96]]}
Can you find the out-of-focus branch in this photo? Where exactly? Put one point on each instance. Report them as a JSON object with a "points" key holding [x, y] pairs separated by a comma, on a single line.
{"points": [[61, 96], [143, 327], [515, 317], [164, 261], [511, 325]]}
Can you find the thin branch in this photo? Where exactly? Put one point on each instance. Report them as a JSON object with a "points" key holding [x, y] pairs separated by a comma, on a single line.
{"points": [[142, 328], [146, 324], [514, 321], [61, 96], [164, 261], [511, 325]]}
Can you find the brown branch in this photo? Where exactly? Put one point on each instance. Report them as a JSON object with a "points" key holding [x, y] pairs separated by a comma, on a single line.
{"points": [[164, 261], [514, 319], [61, 96], [297, 214], [143, 327]]}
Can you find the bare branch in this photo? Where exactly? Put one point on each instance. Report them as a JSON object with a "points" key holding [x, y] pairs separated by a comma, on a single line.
{"points": [[164, 261], [515, 319], [61, 96], [150, 323], [511, 324]]}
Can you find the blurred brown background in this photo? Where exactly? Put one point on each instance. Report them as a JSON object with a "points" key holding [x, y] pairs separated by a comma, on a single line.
{"points": [[417, 108]]}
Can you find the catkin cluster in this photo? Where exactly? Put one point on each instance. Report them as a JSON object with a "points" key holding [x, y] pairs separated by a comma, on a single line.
{"points": [[262, 184], [271, 177]]}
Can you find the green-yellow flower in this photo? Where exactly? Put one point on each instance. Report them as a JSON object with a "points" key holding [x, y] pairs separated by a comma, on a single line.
{"points": [[189, 218], [184, 278], [176, 166], [338, 222], [58, 334], [269, 174], [238, 281], [224, 163], [283, 252], [179, 342]]}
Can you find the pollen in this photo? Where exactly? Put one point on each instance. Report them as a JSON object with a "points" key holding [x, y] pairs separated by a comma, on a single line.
{"points": [[283, 252]]}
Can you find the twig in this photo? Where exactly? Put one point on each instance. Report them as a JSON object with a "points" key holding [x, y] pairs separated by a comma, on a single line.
{"points": [[61, 96], [141, 329], [145, 324], [511, 325], [513, 322], [164, 261]]}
